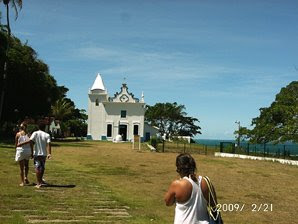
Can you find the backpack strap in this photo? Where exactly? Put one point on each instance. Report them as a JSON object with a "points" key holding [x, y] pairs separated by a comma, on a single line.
{"points": [[213, 211]]}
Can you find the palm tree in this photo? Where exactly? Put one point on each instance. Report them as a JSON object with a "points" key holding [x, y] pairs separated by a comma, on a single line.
{"points": [[61, 109], [14, 4]]}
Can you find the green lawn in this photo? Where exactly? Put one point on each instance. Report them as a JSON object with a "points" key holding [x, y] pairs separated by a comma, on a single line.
{"points": [[103, 182]]}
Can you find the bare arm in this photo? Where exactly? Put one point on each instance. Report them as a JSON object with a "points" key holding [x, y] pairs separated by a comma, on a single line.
{"points": [[205, 191], [24, 143], [31, 147], [49, 150], [170, 196], [16, 140]]}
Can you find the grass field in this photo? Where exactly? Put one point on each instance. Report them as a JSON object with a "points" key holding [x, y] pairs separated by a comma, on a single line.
{"points": [[103, 182]]}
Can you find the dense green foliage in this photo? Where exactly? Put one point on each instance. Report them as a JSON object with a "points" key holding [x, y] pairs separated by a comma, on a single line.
{"points": [[27, 88], [172, 120], [62, 108], [279, 122], [72, 119], [30, 89], [76, 123], [5, 43], [243, 133]]}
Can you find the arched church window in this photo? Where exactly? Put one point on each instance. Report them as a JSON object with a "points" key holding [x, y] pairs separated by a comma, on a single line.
{"points": [[96, 102]]}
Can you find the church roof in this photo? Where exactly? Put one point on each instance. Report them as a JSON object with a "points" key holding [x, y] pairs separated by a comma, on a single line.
{"points": [[98, 83]]}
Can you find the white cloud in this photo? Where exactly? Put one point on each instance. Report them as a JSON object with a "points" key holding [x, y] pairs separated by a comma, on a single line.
{"points": [[183, 71]]}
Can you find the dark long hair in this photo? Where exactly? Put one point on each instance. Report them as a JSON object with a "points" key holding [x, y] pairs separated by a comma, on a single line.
{"points": [[186, 166]]}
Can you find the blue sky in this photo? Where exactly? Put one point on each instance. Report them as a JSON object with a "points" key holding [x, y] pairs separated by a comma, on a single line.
{"points": [[222, 59]]}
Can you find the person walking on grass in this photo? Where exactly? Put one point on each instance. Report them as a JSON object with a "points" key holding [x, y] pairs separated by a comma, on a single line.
{"points": [[190, 193], [23, 153], [42, 151]]}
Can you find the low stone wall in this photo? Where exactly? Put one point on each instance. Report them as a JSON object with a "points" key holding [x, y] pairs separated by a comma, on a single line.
{"points": [[283, 161], [151, 147]]}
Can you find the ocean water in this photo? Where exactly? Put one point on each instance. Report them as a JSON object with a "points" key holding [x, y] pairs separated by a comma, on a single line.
{"points": [[212, 142], [292, 148]]}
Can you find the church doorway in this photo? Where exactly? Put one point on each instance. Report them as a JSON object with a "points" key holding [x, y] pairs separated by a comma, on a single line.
{"points": [[123, 131]]}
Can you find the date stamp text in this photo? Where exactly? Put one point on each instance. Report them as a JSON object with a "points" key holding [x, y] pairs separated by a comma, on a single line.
{"points": [[263, 207]]}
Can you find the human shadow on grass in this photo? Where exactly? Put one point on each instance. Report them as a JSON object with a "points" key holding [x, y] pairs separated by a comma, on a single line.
{"points": [[72, 144], [57, 185], [60, 185]]}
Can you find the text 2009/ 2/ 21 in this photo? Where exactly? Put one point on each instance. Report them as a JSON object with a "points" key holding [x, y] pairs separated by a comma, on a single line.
{"points": [[266, 207]]}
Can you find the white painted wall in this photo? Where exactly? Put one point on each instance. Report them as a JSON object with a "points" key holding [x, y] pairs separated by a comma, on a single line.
{"points": [[134, 116], [109, 112], [96, 114]]}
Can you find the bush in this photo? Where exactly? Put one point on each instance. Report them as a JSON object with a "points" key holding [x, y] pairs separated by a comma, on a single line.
{"points": [[153, 141], [229, 149]]}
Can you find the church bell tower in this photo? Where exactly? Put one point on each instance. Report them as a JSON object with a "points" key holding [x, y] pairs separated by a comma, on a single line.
{"points": [[96, 96]]}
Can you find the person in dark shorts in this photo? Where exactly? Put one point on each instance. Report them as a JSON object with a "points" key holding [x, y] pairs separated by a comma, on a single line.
{"points": [[42, 151]]}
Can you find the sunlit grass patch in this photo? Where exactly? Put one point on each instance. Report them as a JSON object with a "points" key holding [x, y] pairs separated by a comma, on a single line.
{"points": [[103, 181]]}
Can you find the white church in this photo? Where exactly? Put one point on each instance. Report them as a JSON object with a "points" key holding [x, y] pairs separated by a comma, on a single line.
{"points": [[120, 115]]}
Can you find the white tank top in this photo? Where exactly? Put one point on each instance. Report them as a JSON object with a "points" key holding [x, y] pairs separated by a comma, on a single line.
{"points": [[194, 211], [26, 147]]}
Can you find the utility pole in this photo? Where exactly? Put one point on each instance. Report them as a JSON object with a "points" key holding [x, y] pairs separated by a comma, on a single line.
{"points": [[238, 139]]}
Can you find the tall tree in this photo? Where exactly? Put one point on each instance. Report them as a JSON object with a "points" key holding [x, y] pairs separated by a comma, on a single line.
{"points": [[279, 122], [15, 4], [77, 124], [242, 133], [30, 89], [171, 119]]}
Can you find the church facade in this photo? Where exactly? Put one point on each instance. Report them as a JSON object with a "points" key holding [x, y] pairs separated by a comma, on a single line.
{"points": [[122, 114]]}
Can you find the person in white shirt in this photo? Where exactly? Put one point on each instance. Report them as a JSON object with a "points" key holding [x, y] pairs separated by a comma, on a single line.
{"points": [[189, 193], [42, 151]]}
